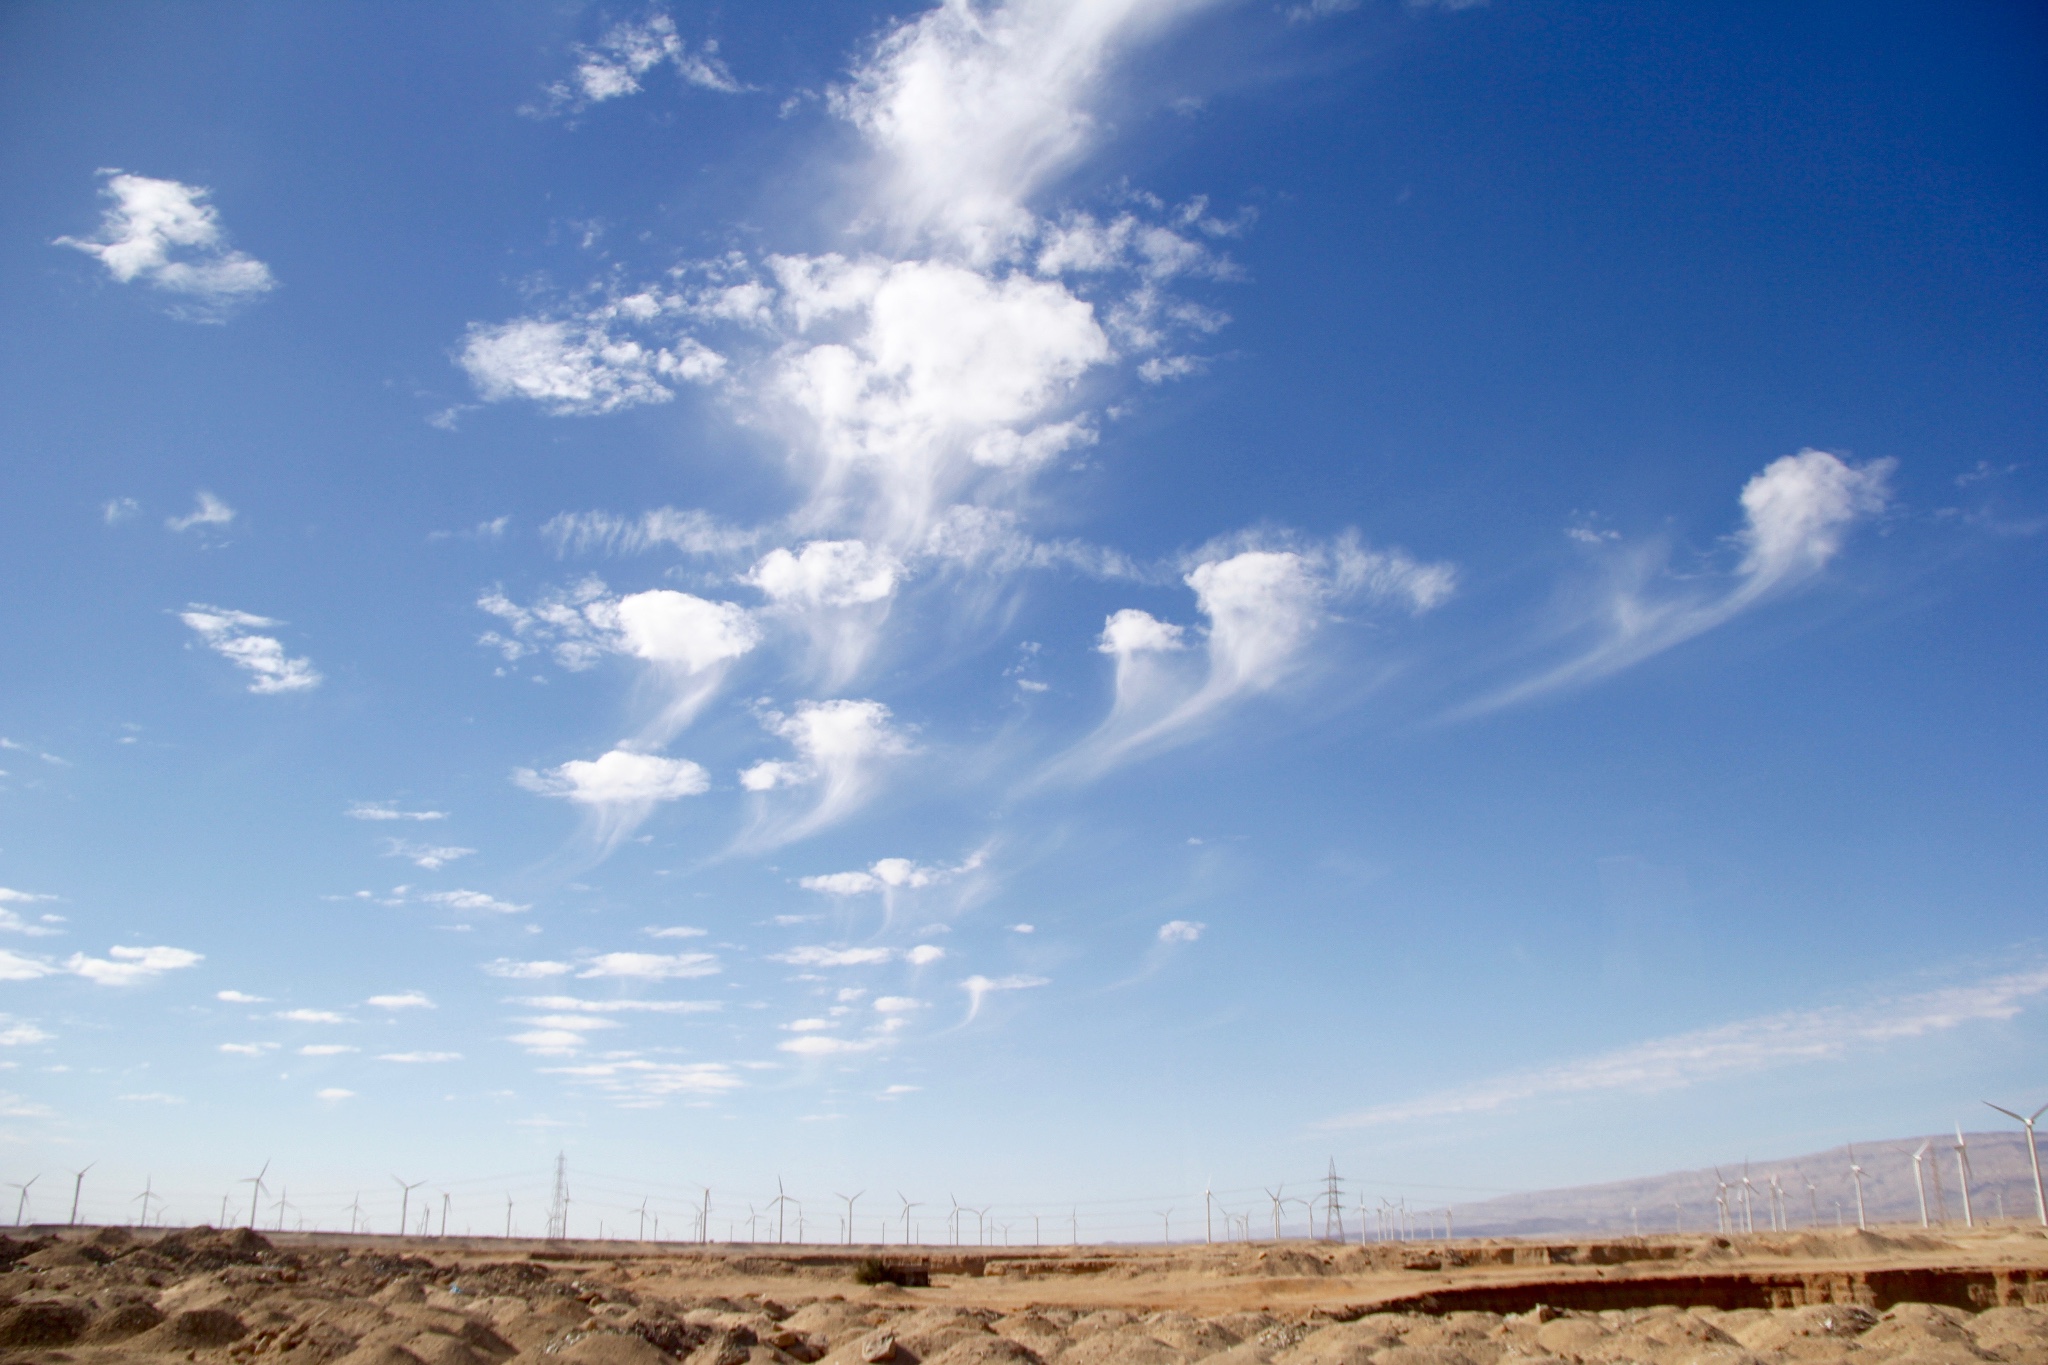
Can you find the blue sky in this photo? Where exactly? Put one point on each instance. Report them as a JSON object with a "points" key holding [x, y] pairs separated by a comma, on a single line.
{"points": [[1043, 603]]}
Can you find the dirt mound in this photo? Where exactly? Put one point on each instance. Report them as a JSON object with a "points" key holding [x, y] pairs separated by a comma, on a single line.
{"points": [[206, 1249], [120, 1323], [43, 1324]]}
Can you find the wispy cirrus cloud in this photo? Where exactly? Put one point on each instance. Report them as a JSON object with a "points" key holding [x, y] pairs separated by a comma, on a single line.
{"points": [[233, 635], [615, 65], [1740, 1048], [388, 810], [1797, 513]]}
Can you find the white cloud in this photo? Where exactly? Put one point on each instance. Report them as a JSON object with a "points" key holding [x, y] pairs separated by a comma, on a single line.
{"points": [[809, 1025], [690, 633], [230, 634], [897, 1004], [620, 777], [419, 1058], [12, 923], [1181, 930], [689, 530], [637, 1080], [821, 1045], [126, 966], [433, 857], [1265, 596], [580, 366], [387, 810], [894, 1090], [979, 988], [117, 510], [334, 1094], [673, 931], [241, 998], [408, 1000], [164, 234], [306, 1016], [152, 1097], [207, 510], [570, 1002], [615, 65], [524, 971], [248, 1049], [887, 875], [816, 955], [1740, 1048], [974, 108], [838, 745], [20, 1032], [19, 967], [1023, 928], [650, 966], [326, 1049], [1797, 512], [924, 954], [828, 573], [474, 900]]}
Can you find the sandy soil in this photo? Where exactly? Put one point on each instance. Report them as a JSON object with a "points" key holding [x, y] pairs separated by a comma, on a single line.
{"points": [[198, 1295]]}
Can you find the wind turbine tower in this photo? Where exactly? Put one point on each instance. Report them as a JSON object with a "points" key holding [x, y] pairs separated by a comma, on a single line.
{"points": [[2033, 1155], [558, 1204]]}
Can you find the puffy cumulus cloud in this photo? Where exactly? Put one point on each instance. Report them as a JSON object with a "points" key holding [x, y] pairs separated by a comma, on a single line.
{"points": [[621, 788], [404, 1000], [616, 63], [688, 640], [232, 635], [241, 998], [513, 970], [924, 954], [972, 108], [207, 510], [1181, 930], [828, 573], [897, 1004], [474, 900], [165, 234], [123, 966], [839, 744], [650, 966], [581, 366], [909, 403], [334, 1094], [1797, 513], [979, 988], [1266, 596], [13, 923], [887, 876]]}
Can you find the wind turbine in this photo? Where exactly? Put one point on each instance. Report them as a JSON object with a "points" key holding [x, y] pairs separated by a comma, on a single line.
{"points": [[1919, 1182], [781, 1204], [1748, 1209], [907, 1207], [405, 1200], [981, 1226], [1208, 1211], [1721, 1198], [1812, 1201], [76, 1186], [256, 1190], [953, 1218], [1274, 1195], [849, 1198], [2033, 1154], [508, 1213], [281, 1205], [22, 1208], [1963, 1174], [1166, 1226], [144, 1199], [1856, 1174], [445, 1198], [643, 1218]]}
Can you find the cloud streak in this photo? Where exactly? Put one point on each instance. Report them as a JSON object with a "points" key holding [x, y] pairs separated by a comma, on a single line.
{"points": [[166, 236], [1740, 1048]]}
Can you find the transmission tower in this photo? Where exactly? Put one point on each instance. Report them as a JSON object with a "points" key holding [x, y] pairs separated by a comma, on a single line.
{"points": [[558, 1207], [1330, 1220]]}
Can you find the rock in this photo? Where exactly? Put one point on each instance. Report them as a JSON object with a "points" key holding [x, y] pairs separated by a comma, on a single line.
{"points": [[385, 1353], [876, 1347]]}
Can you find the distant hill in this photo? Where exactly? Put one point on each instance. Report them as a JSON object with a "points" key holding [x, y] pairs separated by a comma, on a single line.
{"points": [[2001, 1179]]}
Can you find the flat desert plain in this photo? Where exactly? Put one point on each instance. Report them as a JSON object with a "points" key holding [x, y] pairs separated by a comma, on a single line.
{"points": [[200, 1295]]}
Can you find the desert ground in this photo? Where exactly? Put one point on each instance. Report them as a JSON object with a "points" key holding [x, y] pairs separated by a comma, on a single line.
{"points": [[200, 1295]]}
